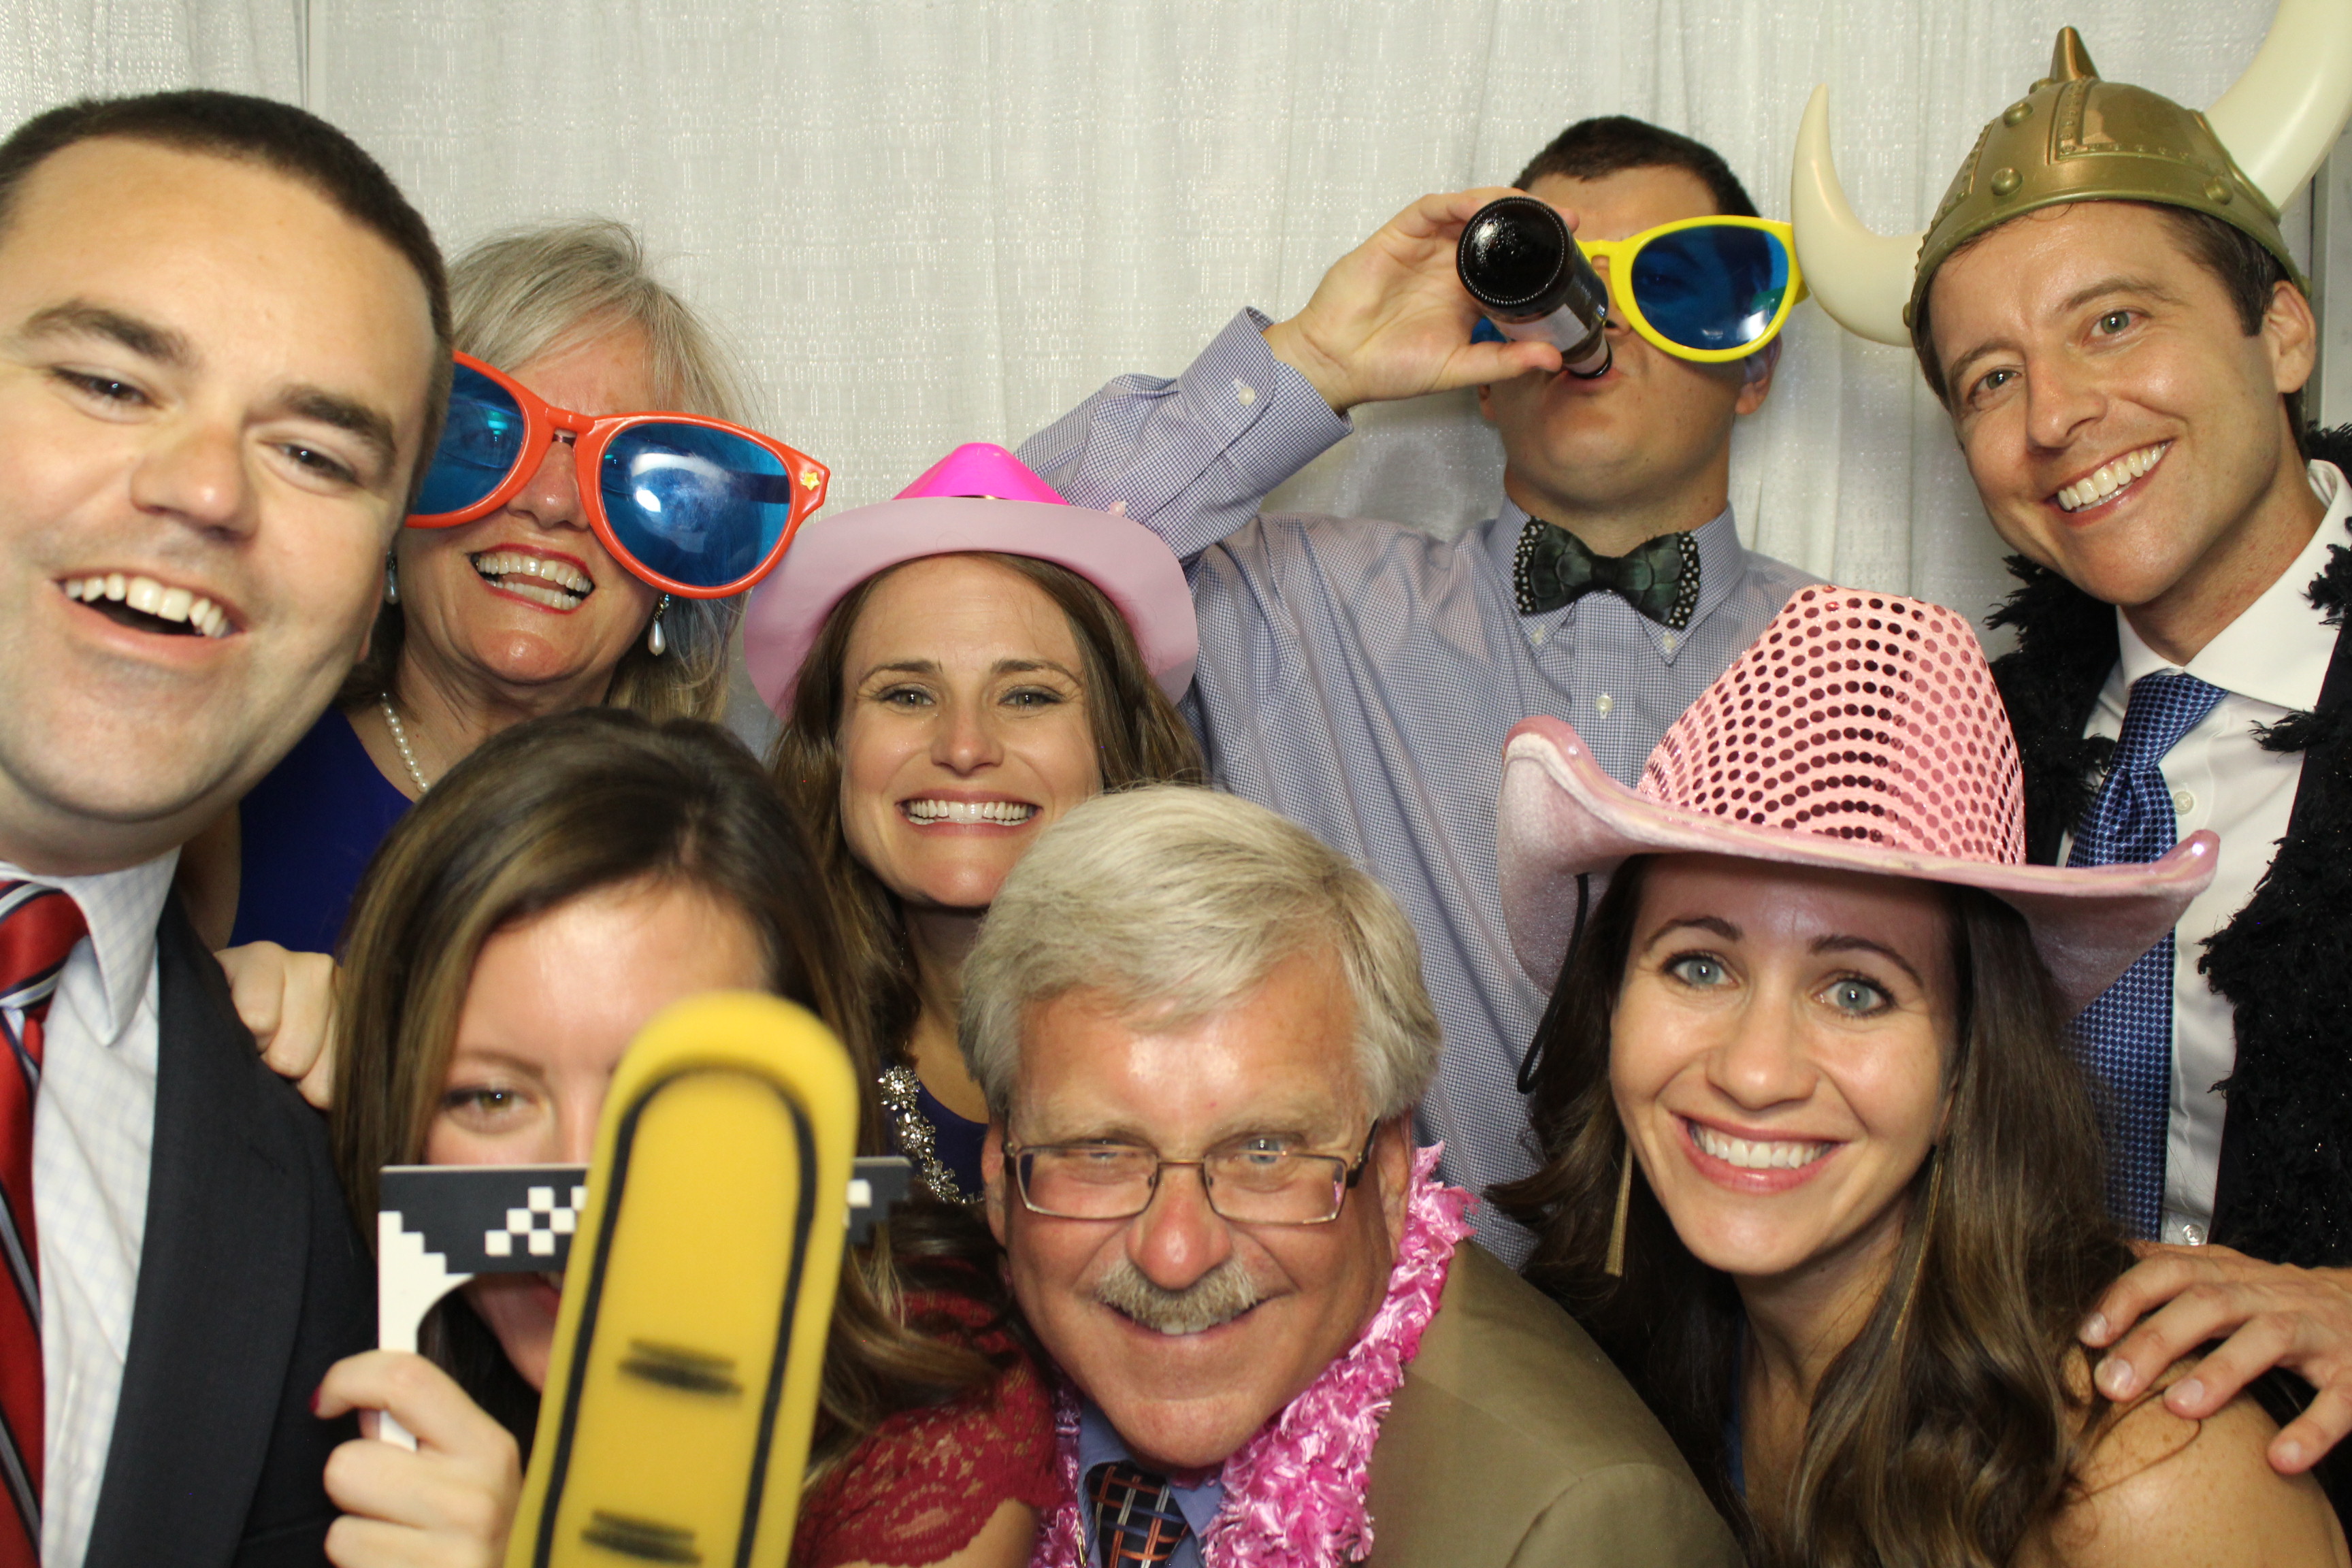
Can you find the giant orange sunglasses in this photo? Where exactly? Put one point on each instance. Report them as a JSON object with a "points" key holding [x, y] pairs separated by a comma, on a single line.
{"points": [[696, 507]]}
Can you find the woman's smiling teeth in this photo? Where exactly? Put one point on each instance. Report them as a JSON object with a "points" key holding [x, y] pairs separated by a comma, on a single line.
{"points": [[189, 614], [2109, 478], [1003, 813], [558, 584], [1750, 1156]]}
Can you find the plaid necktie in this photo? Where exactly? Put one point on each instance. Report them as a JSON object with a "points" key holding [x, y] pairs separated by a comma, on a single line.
{"points": [[38, 928], [2125, 1036], [1553, 567], [1137, 1524]]}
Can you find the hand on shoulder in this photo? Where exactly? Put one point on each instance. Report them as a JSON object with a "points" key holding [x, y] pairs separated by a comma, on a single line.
{"points": [[2161, 1490], [288, 1000], [2177, 1299]]}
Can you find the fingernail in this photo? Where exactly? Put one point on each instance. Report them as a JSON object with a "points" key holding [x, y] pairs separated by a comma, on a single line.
{"points": [[2290, 1455], [2187, 1391], [2094, 1327], [2115, 1378]]}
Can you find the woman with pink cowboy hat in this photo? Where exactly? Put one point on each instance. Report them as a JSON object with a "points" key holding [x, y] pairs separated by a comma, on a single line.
{"points": [[955, 668], [1822, 1176]]}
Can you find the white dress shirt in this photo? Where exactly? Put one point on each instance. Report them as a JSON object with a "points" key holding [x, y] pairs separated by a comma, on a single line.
{"points": [[2271, 662], [93, 1130]]}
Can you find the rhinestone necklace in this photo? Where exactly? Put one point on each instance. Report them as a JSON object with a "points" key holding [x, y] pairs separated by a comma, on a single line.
{"points": [[399, 739], [918, 1140]]}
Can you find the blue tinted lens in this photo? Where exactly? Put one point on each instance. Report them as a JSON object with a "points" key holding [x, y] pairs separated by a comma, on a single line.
{"points": [[700, 507], [1712, 288], [480, 444]]}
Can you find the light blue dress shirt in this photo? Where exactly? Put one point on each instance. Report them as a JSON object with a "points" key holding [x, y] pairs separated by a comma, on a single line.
{"points": [[1360, 678], [1098, 1444]]}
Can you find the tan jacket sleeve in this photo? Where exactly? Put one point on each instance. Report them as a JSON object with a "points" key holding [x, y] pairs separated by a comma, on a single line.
{"points": [[1629, 1516]]}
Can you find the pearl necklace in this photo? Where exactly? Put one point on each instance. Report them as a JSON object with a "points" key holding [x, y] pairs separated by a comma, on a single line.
{"points": [[399, 739]]}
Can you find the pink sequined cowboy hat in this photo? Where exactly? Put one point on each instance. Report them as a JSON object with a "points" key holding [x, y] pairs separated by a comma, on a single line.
{"points": [[977, 498], [1861, 732]]}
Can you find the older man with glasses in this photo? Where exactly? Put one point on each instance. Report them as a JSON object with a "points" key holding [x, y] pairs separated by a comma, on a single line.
{"points": [[1202, 1034]]}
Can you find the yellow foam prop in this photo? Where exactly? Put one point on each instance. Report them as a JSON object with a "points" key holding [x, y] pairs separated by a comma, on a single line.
{"points": [[683, 1384]]}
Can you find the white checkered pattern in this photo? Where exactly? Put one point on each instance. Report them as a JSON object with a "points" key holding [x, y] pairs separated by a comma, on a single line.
{"points": [[537, 1225]]}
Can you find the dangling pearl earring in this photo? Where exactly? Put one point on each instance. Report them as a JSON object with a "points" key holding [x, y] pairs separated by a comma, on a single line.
{"points": [[390, 580], [655, 644]]}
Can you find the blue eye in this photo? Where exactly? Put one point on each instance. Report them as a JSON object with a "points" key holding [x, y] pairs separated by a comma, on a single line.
{"points": [[1699, 969], [1857, 998]]}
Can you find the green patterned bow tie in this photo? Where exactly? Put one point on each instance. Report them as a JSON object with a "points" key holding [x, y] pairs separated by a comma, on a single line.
{"points": [[1660, 579]]}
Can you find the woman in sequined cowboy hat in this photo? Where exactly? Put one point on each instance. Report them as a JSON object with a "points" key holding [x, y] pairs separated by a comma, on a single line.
{"points": [[956, 668], [2106, 304], [1822, 1176]]}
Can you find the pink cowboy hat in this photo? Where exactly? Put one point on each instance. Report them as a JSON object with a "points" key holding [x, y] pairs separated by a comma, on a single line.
{"points": [[977, 498], [1860, 732]]}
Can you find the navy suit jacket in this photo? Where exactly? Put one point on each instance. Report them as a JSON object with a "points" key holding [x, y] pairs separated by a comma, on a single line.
{"points": [[253, 1281]]}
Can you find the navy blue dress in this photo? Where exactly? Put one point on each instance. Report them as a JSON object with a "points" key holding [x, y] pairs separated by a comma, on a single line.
{"points": [[955, 1139], [310, 828]]}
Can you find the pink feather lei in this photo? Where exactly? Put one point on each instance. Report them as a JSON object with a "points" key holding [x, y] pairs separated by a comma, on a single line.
{"points": [[1295, 1492]]}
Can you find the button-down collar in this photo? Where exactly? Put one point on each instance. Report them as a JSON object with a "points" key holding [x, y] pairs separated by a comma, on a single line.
{"points": [[1100, 1444]]}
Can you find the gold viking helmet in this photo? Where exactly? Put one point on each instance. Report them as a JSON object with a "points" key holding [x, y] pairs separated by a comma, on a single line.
{"points": [[2076, 138]]}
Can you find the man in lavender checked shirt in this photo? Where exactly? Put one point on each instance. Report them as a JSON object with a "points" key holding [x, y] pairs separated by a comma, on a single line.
{"points": [[1360, 676]]}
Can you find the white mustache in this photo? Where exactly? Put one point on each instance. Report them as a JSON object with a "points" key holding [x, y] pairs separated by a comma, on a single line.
{"points": [[1220, 1295]]}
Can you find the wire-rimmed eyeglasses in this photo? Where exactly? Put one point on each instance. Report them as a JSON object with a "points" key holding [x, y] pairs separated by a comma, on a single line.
{"points": [[1242, 1179]]}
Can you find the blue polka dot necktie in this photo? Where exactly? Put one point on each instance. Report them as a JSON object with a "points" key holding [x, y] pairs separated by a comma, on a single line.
{"points": [[1136, 1523], [2125, 1036]]}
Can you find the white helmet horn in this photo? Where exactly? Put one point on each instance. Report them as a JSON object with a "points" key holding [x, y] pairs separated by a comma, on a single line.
{"points": [[1862, 278], [2285, 112]]}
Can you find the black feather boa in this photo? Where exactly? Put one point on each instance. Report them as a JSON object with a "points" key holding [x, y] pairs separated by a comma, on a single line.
{"points": [[2285, 961]]}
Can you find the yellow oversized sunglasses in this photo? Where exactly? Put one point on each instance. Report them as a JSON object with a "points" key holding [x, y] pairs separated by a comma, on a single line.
{"points": [[1704, 288]]}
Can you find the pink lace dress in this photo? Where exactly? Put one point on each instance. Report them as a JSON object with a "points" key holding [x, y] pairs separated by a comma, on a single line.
{"points": [[927, 1482]]}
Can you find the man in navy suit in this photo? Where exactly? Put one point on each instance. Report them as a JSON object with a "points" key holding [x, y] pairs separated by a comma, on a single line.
{"points": [[223, 350]]}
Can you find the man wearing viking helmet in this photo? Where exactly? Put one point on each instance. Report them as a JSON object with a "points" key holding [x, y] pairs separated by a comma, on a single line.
{"points": [[2106, 307]]}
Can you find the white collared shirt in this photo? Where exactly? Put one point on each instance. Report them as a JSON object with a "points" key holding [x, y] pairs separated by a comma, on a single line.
{"points": [[93, 1131], [2271, 661]]}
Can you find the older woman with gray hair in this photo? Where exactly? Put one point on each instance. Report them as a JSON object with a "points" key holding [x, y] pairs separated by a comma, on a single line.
{"points": [[554, 560]]}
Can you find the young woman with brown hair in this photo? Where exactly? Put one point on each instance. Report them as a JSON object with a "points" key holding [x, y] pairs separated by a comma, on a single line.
{"points": [[569, 880], [955, 668], [1822, 1176]]}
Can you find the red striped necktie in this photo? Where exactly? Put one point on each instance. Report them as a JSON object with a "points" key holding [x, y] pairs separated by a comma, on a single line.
{"points": [[38, 928]]}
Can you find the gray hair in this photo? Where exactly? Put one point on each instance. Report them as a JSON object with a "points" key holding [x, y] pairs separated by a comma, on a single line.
{"points": [[1179, 901], [527, 293]]}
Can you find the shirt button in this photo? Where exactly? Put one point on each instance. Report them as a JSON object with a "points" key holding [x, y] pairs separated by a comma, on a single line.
{"points": [[1666, 640], [1602, 703], [2192, 1235], [1537, 637], [1245, 391], [2183, 802]]}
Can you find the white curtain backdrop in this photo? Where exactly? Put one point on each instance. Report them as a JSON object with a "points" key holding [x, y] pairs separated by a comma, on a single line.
{"points": [[53, 51], [924, 222]]}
